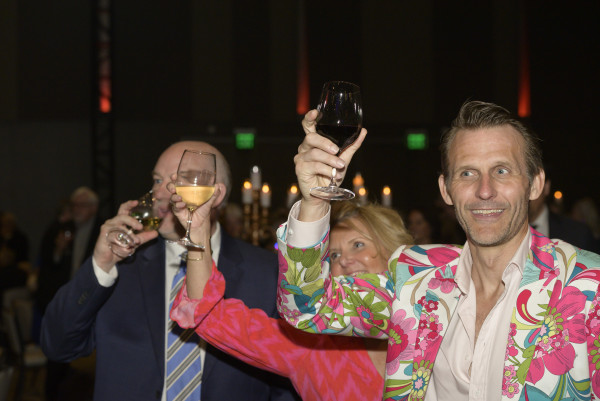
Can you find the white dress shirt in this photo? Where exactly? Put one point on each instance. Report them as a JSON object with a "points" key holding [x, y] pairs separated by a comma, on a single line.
{"points": [[173, 252], [465, 369]]}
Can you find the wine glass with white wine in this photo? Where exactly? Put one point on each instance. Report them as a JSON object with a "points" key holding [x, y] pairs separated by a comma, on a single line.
{"points": [[339, 120], [119, 239], [195, 184]]}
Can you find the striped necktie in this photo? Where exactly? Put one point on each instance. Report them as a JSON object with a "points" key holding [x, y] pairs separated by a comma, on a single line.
{"points": [[184, 370]]}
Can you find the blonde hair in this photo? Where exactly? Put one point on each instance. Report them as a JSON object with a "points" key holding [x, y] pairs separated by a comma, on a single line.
{"points": [[385, 226]]}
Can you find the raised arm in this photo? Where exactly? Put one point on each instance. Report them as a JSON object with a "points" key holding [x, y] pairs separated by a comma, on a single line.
{"points": [[272, 344], [310, 298], [314, 301], [248, 334], [68, 323], [315, 161]]}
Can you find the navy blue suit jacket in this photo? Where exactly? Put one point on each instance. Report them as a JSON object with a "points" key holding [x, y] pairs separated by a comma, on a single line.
{"points": [[125, 325]]}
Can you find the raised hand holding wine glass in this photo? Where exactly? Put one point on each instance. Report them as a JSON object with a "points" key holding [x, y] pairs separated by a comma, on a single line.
{"points": [[195, 183], [339, 120], [120, 239]]}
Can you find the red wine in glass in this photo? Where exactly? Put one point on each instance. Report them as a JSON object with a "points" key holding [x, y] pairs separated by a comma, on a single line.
{"points": [[342, 135], [339, 120]]}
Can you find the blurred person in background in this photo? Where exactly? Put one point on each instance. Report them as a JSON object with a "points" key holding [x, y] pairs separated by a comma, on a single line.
{"points": [[555, 225], [423, 226], [450, 230], [585, 211], [67, 241], [14, 255]]}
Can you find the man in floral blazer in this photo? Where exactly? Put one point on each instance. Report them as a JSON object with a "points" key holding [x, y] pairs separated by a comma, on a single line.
{"points": [[511, 315]]}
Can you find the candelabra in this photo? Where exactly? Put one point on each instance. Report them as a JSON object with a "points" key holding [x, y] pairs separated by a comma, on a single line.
{"points": [[256, 199]]}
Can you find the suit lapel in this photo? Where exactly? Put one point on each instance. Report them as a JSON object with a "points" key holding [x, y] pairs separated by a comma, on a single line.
{"points": [[230, 260], [540, 276], [433, 296], [151, 273], [435, 308]]}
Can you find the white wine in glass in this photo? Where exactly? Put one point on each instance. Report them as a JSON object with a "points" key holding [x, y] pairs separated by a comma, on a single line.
{"points": [[119, 239], [195, 196], [144, 212], [195, 184]]}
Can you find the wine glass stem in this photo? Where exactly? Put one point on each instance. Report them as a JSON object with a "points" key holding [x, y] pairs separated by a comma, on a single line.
{"points": [[332, 183], [189, 223]]}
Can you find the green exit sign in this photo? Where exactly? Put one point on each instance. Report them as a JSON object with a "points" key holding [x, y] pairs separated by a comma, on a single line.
{"points": [[244, 139], [417, 140]]}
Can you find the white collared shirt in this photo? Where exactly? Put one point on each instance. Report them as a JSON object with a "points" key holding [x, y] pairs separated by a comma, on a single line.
{"points": [[469, 370], [173, 252]]}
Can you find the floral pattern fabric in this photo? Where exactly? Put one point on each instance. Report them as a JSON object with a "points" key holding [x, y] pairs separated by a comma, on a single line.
{"points": [[553, 349], [321, 368]]}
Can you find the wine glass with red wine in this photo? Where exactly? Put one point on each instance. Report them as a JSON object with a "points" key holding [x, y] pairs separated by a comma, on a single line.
{"points": [[339, 120]]}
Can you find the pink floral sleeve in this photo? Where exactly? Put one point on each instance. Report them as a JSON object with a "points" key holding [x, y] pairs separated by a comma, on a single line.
{"points": [[312, 362]]}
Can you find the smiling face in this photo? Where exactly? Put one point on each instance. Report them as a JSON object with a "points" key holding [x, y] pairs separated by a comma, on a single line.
{"points": [[351, 251], [488, 185]]}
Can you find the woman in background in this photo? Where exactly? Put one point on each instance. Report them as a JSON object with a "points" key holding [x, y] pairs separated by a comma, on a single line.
{"points": [[423, 225]]}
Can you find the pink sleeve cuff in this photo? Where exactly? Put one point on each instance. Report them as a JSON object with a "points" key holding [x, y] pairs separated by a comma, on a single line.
{"points": [[188, 312]]}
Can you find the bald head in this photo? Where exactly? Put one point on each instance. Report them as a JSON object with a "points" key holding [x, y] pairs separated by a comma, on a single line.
{"points": [[174, 152], [166, 166]]}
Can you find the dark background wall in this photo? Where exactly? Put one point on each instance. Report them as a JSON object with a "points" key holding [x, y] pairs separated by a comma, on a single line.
{"points": [[192, 69]]}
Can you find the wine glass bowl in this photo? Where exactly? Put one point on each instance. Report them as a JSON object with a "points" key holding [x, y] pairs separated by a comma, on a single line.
{"points": [[120, 242], [195, 183], [119, 239], [145, 213], [339, 119]]}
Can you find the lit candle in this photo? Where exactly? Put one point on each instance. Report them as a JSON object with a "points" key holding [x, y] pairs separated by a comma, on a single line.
{"points": [[358, 182], [558, 202], [386, 196], [291, 196], [362, 196], [247, 193], [265, 196], [255, 178]]}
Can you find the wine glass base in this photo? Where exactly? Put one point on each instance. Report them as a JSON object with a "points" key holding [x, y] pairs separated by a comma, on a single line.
{"points": [[120, 242], [332, 193], [187, 243], [121, 251]]}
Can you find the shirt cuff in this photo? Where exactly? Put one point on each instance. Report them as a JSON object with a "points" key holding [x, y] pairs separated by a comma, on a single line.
{"points": [[302, 234], [105, 279]]}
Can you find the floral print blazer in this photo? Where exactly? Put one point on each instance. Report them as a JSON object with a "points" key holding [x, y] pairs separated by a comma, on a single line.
{"points": [[553, 345]]}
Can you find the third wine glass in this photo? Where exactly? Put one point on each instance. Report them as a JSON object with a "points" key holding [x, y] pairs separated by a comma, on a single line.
{"points": [[119, 239]]}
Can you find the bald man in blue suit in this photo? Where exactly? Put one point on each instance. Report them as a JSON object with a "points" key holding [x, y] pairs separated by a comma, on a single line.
{"points": [[119, 307]]}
